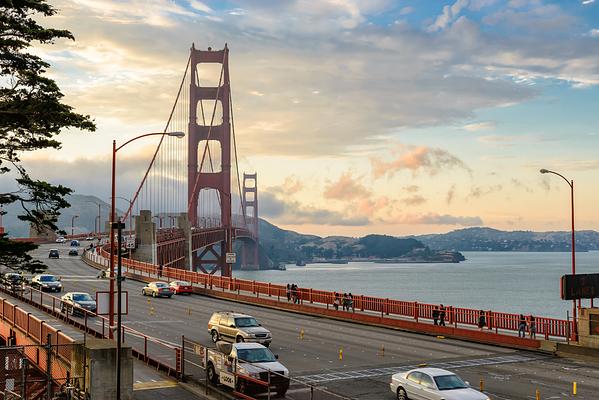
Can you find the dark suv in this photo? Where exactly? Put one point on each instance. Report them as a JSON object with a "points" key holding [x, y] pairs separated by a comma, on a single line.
{"points": [[54, 254]]}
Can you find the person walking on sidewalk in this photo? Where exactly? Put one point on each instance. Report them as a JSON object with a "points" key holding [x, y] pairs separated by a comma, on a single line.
{"points": [[288, 292], [481, 320], [436, 315], [533, 327], [442, 315], [522, 326]]}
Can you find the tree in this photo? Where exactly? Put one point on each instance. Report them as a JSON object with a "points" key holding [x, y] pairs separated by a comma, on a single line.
{"points": [[31, 116]]}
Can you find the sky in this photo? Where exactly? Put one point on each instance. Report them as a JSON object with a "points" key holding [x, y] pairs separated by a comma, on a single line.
{"points": [[380, 116]]}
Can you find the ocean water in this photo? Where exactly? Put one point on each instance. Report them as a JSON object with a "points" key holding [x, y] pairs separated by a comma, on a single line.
{"points": [[515, 282]]}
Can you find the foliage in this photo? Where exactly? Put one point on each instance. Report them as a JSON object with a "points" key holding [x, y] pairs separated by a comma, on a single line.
{"points": [[31, 114], [388, 246], [15, 255]]}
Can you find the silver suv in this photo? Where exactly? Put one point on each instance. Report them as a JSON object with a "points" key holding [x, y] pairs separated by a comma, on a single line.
{"points": [[237, 327]]}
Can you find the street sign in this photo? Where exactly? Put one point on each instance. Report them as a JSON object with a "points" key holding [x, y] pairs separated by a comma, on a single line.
{"points": [[130, 242], [231, 258], [103, 303], [579, 286]]}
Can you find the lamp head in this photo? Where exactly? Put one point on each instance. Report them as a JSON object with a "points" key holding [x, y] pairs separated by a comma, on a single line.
{"points": [[544, 171], [177, 134]]}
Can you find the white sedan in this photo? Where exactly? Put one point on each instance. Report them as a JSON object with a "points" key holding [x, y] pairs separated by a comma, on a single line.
{"points": [[432, 384]]}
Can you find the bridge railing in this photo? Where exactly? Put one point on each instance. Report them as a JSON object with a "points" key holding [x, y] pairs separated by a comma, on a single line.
{"points": [[493, 320]]}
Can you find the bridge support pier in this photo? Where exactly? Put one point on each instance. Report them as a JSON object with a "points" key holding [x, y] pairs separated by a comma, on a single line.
{"points": [[98, 358], [185, 226], [145, 233]]}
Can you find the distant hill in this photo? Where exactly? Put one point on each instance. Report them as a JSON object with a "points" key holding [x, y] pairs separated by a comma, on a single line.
{"points": [[488, 239]]}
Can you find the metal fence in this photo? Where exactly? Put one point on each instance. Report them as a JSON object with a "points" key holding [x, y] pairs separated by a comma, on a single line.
{"points": [[29, 372]]}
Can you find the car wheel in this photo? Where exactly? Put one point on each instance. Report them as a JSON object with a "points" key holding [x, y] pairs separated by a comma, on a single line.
{"points": [[143, 292], [154, 294], [214, 336], [281, 391], [239, 339], [401, 394], [212, 377]]}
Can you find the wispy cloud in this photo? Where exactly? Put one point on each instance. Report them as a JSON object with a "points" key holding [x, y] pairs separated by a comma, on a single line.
{"points": [[346, 188], [479, 126], [440, 219], [415, 159]]}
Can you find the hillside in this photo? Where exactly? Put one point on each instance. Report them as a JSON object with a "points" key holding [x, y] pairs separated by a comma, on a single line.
{"points": [[488, 239]]}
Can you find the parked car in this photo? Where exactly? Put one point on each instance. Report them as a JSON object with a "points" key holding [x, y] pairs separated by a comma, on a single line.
{"points": [[74, 302], [432, 384], [60, 239], [251, 359], [157, 289], [74, 243], [89, 237], [46, 283], [106, 273], [73, 252], [54, 253], [181, 287], [237, 327]]}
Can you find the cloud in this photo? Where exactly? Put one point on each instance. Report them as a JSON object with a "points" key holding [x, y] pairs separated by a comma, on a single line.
{"points": [[414, 200], [450, 195], [290, 186], [587, 2], [480, 191], [294, 213], [519, 185], [346, 188], [371, 206], [594, 33], [198, 5], [440, 219], [449, 14], [479, 126], [415, 159], [406, 10], [411, 188]]}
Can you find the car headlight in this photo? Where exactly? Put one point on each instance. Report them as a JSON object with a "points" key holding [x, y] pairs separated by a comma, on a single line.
{"points": [[44, 284], [59, 284], [286, 372]]}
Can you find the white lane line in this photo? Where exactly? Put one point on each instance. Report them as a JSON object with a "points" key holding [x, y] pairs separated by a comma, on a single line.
{"points": [[334, 376]]}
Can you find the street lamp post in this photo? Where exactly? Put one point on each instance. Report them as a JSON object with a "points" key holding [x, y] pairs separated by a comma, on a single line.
{"points": [[116, 224], [73, 224], [98, 218], [571, 184]]}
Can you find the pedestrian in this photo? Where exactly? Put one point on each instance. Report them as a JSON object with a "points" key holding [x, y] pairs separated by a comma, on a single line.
{"points": [[481, 320], [344, 302], [351, 302], [159, 271], [336, 302], [442, 315], [533, 327], [435, 315], [288, 292], [522, 326], [298, 294], [293, 293]]}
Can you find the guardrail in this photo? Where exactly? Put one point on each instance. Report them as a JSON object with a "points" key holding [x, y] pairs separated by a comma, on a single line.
{"points": [[497, 322], [144, 347]]}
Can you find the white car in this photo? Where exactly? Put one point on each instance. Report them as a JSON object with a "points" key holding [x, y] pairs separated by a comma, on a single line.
{"points": [[60, 239], [432, 384]]}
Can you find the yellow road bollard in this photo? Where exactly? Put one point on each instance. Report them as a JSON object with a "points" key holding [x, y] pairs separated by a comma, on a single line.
{"points": [[382, 350], [301, 334], [574, 388], [189, 311], [482, 385], [151, 310], [340, 354], [537, 395]]}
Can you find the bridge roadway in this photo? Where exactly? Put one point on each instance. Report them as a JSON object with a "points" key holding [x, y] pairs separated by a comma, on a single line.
{"points": [[363, 373]]}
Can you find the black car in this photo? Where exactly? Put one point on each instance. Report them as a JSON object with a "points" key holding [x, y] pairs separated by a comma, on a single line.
{"points": [[54, 253], [73, 252], [13, 280]]}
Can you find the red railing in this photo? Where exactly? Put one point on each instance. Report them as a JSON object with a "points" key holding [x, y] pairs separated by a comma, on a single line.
{"points": [[455, 316]]}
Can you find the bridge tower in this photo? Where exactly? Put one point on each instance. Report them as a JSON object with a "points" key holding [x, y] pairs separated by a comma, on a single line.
{"points": [[250, 210], [199, 179]]}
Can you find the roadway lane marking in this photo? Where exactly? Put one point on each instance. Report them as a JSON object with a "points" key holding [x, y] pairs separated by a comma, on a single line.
{"points": [[153, 384], [369, 373]]}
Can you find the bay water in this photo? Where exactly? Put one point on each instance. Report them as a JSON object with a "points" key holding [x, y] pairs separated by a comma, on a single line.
{"points": [[516, 282]]}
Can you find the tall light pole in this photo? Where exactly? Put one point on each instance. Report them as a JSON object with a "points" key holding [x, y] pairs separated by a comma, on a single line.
{"points": [[130, 218], [571, 184], [73, 224], [117, 224]]}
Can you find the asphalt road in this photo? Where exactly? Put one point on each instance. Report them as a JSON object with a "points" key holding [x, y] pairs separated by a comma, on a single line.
{"points": [[364, 372]]}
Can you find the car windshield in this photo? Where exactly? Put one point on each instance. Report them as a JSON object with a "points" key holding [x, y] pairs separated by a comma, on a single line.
{"points": [[48, 278], [82, 297], [246, 322], [181, 283], [256, 355], [449, 382], [160, 284]]}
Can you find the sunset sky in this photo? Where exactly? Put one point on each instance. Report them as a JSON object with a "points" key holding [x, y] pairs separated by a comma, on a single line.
{"points": [[380, 116]]}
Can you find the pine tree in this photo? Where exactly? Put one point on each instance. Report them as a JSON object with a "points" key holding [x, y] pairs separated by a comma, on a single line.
{"points": [[31, 116]]}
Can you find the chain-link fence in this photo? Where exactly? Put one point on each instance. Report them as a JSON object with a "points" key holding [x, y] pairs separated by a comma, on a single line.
{"points": [[40, 372]]}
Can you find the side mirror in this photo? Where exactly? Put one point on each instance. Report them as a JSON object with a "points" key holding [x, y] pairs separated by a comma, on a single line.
{"points": [[60, 278], [276, 356], [467, 383]]}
